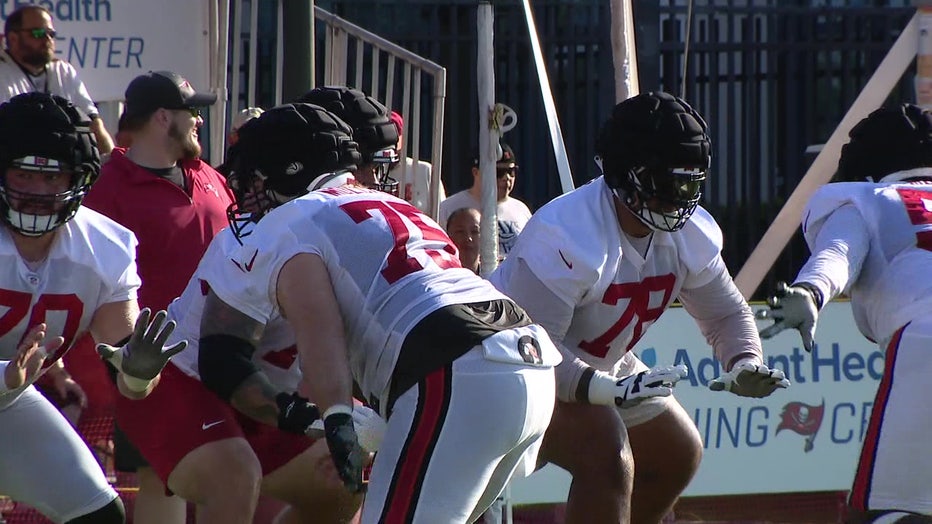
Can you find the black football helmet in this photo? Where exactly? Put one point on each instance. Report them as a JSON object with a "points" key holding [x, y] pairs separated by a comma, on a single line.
{"points": [[373, 130], [284, 153], [45, 133], [655, 151], [886, 143]]}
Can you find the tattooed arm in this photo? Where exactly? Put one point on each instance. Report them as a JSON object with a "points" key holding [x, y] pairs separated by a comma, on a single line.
{"points": [[228, 340]]}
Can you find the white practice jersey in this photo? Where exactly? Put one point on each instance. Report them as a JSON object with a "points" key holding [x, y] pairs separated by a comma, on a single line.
{"points": [[575, 247], [276, 354], [893, 286], [92, 262], [390, 266]]}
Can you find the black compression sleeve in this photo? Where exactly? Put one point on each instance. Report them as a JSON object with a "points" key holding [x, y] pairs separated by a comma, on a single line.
{"points": [[224, 362]]}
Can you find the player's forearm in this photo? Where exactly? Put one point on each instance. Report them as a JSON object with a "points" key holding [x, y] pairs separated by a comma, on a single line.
{"points": [[326, 374], [255, 398], [725, 320]]}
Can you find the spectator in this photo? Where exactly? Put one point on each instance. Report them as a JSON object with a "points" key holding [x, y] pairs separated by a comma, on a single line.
{"points": [[596, 267], [869, 237], [28, 64], [512, 214], [175, 203], [416, 174], [463, 228], [61, 258]]}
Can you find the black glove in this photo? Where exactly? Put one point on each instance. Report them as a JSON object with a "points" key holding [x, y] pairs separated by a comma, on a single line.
{"points": [[295, 413], [344, 449]]}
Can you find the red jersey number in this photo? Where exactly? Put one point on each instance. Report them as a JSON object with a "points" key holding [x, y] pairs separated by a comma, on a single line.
{"points": [[399, 264], [18, 304], [638, 311], [919, 209]]}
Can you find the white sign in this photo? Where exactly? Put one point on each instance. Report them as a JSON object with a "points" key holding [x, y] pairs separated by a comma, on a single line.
{"points": [[110, 42], [808, 436]]}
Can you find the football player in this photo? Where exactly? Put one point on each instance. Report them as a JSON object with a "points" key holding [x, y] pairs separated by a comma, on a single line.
{"points": [[65, 270], [596, 267], [871, 238], [195, 429], [374, 293], [373, 130]]}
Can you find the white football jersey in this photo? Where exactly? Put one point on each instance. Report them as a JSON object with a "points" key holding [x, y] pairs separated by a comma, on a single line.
{"points": [[390, 266], [276, 354], [575, 247], [893, 286], [91, 262]]}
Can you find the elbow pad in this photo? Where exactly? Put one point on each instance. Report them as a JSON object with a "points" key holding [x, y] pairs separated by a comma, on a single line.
{"points": [[224, 362]]}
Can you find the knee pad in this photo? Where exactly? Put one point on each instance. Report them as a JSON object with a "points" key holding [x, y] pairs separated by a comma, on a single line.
{"points": [[112, 513]]}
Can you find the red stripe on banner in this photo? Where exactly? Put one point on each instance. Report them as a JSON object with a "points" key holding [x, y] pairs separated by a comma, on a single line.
{"points": [[860, 492], [419, 446]]}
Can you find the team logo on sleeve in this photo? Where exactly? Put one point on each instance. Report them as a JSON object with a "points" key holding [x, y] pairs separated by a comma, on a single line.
{"points": [[529, 349], [804, 419]]}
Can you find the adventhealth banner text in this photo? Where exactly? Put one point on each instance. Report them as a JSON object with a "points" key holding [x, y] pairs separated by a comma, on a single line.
{"points": [[809, 434]]}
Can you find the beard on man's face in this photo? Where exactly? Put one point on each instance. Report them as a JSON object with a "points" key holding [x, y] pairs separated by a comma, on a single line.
{"points": [[37, 57], [190, 148]]}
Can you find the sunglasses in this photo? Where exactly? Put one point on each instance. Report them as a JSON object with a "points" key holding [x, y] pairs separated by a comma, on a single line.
{"points": [[193, 111], [40, 33]]}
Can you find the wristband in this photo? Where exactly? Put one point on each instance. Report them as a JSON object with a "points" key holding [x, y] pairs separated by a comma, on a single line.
{"points": [[816, 293], [136, 385], [338, 408]]}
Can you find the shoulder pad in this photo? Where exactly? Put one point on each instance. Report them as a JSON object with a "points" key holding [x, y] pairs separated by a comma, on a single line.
{"points": [[700, 241]]}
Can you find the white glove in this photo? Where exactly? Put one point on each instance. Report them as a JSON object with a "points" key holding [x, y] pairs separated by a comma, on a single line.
{"points": [[607, 390], [369, 426], [750, 379], [792, 307]]}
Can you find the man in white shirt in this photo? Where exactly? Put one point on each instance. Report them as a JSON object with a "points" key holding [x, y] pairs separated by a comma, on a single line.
{"points": [[512, 214], [871, 237], [28, 64]]}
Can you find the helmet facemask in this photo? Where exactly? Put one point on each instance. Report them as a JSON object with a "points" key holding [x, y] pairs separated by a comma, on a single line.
{"points": [[381, 163], [63, 205], [663, 198]]}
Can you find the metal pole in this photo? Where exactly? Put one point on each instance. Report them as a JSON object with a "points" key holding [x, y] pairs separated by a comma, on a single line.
{"points": [[488, 140], [298, 53]]}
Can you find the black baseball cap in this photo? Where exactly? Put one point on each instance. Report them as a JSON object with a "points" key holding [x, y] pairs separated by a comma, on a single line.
{"points": [[163, 89], [507, 157]]}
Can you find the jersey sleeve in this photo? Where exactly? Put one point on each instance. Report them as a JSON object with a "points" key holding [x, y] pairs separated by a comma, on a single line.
{"points": [[558, 260], [700, 246], [248, 279], [114, 251], [839, 242]]}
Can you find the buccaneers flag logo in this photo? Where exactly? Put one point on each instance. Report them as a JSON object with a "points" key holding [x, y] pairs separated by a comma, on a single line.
{"points": [[803, 419]]}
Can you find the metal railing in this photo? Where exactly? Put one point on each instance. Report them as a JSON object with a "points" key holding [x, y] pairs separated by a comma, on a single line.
{"points": [[352, 56]]}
